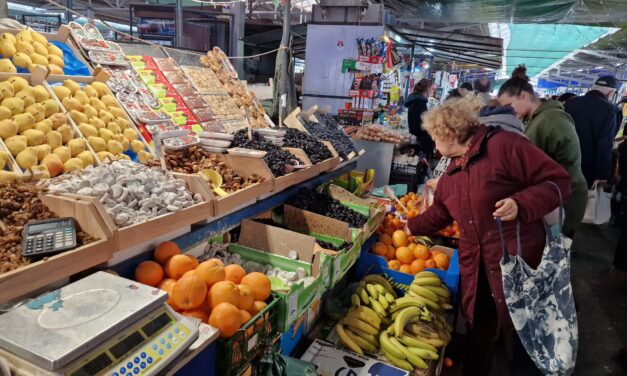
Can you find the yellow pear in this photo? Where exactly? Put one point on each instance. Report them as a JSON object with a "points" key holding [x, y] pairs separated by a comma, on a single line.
{"points": [[42, 151], [61, 92], [77, 146], [97, 104], [101, 88], [81, 96], [24, 35], [97, 144], [78, 117], [6, 90], [6, 66], [72, 104], [24, 121], [96, 122], [8, 176], [33, 137], [72, 164], [55, 69], [16, 105], [87, 158], [114, 147], [89, 111], [27, 158], [105, 155], [90, 91], [41, 49], [38, 59], [41, 94], [38, 38], [63, 152], [131, 134], [109, 101], [40, 171], [114, 127], [7, 48], [37, 110], [44, 126], [67, 133], [58, 120], [143, 156], [117, 112], [8, 36], [24, 47], [8, 128], [137, 145], [26, 95], [15, 144], [19, 83], [123, 123], [88, 130], [54, 139], [53, 163], [5, 113], [123, 156], [72, 85], [51, 107], [105, 134], [55, 60], [123, 140], [105, 116], [54, 50], [22, 60], [4, 156]]}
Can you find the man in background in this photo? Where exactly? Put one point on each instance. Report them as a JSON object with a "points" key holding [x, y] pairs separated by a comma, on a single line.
{"points": [[483, 87], [465, 89]]}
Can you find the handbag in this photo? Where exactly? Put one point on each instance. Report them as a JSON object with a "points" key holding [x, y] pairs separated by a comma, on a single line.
{"points": [[599, 208], [541, 304]]}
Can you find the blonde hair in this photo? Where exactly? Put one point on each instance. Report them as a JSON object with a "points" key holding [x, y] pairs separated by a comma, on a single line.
{"points": [[456, 119]]}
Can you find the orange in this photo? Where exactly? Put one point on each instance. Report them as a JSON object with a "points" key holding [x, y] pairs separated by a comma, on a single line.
{"points": [[405, 269], [166, 285], [399, 239], [417, 266], [197, 313], [404, 255], [194, 260], [246, 297], [394, 264], [260, 284], [149, 273], [189, 292], [396, 222], [210, 272], [226, 317], [256, 307], [442, 261], [412, 213], [189, 272], [164, 251], [234, 273], [430, 264], [217, 261], [391, 253], [411, 246], [245, 316], [223, 292], [177, 265], [379, 249], [421, 252]]}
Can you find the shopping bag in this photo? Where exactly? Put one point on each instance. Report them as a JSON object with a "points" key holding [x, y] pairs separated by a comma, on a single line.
{"points": [[599, 208], [541, 304]]}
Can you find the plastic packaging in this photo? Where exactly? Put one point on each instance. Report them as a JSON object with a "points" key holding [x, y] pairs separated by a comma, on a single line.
{"points": [[180, 142], [213, 149], [216, 135], [215, 143], [247, 152]]}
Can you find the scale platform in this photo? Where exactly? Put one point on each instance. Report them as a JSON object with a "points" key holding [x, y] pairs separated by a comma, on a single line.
{"points": [[94, 325]]}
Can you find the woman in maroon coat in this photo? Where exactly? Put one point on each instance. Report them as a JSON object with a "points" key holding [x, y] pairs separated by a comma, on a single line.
{"points": [[493, 173]]}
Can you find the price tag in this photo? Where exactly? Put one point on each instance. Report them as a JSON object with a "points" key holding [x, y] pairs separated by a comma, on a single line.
{"points": [[439, 170], [292, 306]]}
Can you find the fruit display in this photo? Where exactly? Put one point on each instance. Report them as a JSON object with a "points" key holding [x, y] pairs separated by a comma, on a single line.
{"points": [[224, 296], [379, 134], [20, 204], [408, 331], [27, 48], [36, 132], [130, 192], [316, 202], [276, 158], [315, 150], [101, 120], [409, 254], [328, 130], [412, 205]]}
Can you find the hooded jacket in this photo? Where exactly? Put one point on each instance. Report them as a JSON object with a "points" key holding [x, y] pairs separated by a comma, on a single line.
{"points": [[417, 105], [502, 117]]}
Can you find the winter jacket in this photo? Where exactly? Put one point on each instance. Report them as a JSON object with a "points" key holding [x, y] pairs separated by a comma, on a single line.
{"points": [[551, 129], [502, 117], [595, 121], [417, 105], [500, 165]]}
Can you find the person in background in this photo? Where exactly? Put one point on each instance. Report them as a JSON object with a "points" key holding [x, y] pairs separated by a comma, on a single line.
{"points": [[505, 176], [565, 97], [453, 94], [551, 129], [465, 89], [483, 87], [554, 97], [416, 105], [596, 124]]}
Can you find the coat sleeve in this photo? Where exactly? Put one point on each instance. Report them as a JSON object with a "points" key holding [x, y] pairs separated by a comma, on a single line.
{"points": [[562, 144], [532, 168], [605, 141], [434, 219]]}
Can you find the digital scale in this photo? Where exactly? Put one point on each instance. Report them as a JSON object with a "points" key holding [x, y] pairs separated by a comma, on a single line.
{"points": [[100, 325], [47, 237]]}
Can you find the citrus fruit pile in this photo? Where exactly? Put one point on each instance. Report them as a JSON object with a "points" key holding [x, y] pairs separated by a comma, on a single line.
{"points": [[222, 296], [409, 254]]}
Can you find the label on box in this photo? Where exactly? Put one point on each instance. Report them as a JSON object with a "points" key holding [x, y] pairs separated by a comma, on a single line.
{"points": [[252, 342], [335, 361], [337, 268], [292, 306]]}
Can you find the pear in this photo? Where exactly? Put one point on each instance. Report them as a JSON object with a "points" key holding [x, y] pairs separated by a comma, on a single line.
{"points": [[38, 59], [114, 147], [78, 117], [15, 144], [143, 156], [58, 61], [41, 49], [27, 96], [6, 90], [22, 60], [88, 130], [5, 113], [89, 111], [42, 151], [67, 133], [137, 145], [8, 128], [41, 94], [81, 96], [102, 89], [72, 85], [90, 91], [6, 66], [33, 137], [16, 105], [105, 116], [97, 144], [44, 126], [54, 50], [105, 134], [105, 155], [55, 69], [50, 106], [123, 123], [7, 48], [40, 171], [27, 158], [117, 112], [63, 152], [24, 35], [77, 146], [72, 104], [97, 104], [130, 134], [61, 92], [9, 37], [4, 156], [122, 156], [39, 38], [96, 122], [8, 176], [54, 164], [24, 47], [58, 120], [72, 164], [19, 83], [87, 158], [109, 101], [114, 128], [24, 121], [123, 140], [54, 139], [37, 110]]}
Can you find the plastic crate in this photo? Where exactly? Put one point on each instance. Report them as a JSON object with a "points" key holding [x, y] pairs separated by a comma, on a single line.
{"points": [[234, 354], [405, 168]]}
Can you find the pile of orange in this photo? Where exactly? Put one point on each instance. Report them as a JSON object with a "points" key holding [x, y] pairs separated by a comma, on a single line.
{"points": [[405, 255], [222, 296]]}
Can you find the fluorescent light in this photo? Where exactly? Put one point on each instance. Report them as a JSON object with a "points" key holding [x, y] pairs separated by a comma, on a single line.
{"points": [[598, 67]]}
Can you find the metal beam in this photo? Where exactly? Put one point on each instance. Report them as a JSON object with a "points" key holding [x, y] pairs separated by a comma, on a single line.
{"points": [[602, 55]]}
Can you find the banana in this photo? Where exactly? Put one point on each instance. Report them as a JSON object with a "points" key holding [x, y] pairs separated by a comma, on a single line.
{"points": [[355, 300], [366, 317], [386, 345], [357, 323], [378, 279], [424, 354], [423, 331], [378, 308], [429, 303], [412, 342], [426, 274], [380, 288], [423, 291], [446, 306], [372, 291], [389, 297], [386, 321], [371, 314], [362, 343], [401, 319], [441, 291], [383, 302], [373, 339], [407, 301], [427, 281], [397, 362], [363, 295], [410, 356], [346, 340]]}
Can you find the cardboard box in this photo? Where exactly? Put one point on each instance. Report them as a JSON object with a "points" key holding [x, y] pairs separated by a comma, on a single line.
{"points": [[332, 360], [375, 215], [273, 245], [27, 279], [283, 182], [331, 163]]}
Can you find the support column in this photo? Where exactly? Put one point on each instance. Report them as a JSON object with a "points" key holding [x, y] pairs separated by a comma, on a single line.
{"points": [[178, 18], [238, 29], [68, 15]]}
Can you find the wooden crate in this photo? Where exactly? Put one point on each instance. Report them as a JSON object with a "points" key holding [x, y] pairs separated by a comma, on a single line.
{"points": [[283, 182], [331, 163], [27, 279]]}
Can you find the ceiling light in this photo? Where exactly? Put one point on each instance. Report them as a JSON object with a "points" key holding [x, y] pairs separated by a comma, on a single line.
{"points": [[598, 67], [580, 70]]}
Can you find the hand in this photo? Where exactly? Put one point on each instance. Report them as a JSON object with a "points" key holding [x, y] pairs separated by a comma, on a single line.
{"points": [[432, 183], [600, 183], [506, 209]]}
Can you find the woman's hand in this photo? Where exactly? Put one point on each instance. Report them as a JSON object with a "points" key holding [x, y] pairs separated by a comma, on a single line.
{"points": [[506, 209]]}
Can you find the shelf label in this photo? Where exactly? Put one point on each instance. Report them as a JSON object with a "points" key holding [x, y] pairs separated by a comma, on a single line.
{"points": [[292, 306], [337, 267]]}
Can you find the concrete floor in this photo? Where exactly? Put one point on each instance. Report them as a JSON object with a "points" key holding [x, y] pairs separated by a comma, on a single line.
{"points": [[602, 303]]}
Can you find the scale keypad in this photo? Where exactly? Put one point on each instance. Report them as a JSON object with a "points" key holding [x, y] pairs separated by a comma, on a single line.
{"points": [[49, 236]]}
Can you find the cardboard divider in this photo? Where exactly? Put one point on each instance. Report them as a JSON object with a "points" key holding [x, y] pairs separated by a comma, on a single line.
{"points": [[27, 279], [283, 182], [375, 215], [331, 163]]}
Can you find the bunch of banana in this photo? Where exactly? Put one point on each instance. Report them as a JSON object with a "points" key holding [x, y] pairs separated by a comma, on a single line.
{"points": [[424, 240], [375, 292], [428, 288]]}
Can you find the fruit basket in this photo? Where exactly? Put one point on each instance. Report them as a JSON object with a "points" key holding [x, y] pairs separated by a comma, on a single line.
{"points": [[234, 354]]}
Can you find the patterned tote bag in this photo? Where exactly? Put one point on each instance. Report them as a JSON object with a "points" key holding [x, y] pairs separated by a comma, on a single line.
{"points": [[541, 304]]}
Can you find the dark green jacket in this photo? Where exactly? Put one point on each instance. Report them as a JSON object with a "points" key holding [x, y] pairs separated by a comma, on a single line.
{"points": [[553, 130]]}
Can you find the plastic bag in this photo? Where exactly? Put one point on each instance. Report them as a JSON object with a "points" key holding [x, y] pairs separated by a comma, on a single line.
{"points": [[599, 208], [272, 363], [399, 190]]}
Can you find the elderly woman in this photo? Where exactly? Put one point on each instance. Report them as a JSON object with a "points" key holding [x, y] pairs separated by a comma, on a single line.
{"points": [[493, 173]]}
